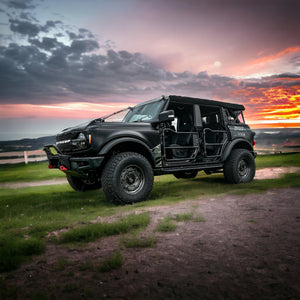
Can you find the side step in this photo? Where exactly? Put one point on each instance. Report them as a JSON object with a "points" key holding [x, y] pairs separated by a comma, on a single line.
{"points": [[198, 167]]}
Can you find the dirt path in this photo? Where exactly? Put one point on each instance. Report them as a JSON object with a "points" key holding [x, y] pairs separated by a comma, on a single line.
{"points": [[267, 173], [247, 248], [17, 185]]}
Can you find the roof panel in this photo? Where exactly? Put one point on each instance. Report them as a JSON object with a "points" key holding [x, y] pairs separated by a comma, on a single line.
{"points": [[208, 102]]}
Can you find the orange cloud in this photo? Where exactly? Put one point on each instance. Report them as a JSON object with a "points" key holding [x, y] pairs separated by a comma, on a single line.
{"points": [[271, 107], [268, 58]]}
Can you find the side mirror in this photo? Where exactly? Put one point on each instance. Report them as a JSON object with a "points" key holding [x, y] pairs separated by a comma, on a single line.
{"points": [[166, 116]]}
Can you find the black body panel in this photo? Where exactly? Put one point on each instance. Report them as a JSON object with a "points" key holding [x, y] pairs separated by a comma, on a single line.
{"points": [[85, 149]]}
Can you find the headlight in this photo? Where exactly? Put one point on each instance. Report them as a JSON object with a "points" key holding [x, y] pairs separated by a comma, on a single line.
{"points": [[80, 142], [81, 137]]}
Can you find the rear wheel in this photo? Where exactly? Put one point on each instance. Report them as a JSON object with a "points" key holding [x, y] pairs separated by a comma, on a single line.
{"points": [[239, 167], [185, 174], [83, 185], [127, 178]]}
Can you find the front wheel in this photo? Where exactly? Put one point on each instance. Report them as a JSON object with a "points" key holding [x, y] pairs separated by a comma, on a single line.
{"points": [[239, 167], [127, 178]]}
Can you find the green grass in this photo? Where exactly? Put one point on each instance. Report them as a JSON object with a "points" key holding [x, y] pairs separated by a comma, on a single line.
{"points": [[278, 160], [14, 251], [113, 263], [28, 215], [184, 217], [166, 225], [30, 172], [93, 232]]}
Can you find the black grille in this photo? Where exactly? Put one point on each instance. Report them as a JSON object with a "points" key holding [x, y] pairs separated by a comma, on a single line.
{"points": [[66, 136]]}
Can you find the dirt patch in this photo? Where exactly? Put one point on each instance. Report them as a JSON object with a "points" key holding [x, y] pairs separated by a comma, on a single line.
{"points": [[247, 248], [270, 173], [17, 185]]}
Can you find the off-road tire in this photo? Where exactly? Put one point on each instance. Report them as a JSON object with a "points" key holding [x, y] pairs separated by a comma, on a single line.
{"points": [[127, 178], [82, 185], [185, 174], [239, 167]]}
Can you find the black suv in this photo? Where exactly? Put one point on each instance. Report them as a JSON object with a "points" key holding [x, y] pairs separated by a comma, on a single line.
{"points": [[167, 135]]}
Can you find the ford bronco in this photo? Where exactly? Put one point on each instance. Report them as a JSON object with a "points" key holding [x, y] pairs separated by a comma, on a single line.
{"points": [[168, 135]]}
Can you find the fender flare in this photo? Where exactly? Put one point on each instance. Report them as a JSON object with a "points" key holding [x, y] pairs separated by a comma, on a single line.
{"points": [[111, 144], [243, 144]]}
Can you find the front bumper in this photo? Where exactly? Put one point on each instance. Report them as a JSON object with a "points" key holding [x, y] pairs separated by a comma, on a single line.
{"points": [[78, 166]]}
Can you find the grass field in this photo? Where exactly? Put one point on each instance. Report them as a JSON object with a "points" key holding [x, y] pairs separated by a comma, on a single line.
{"points": [[28, 215], [30, 172]]}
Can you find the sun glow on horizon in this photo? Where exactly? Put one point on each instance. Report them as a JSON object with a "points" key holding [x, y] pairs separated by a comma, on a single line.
{"points": [[271, 106], [69, 110], [265, 107]]}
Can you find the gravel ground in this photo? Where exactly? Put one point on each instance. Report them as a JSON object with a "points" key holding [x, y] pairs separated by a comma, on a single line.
{"points": [[247, 248]]}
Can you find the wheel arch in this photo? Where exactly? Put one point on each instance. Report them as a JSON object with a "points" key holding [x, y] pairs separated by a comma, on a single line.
{"points": [[237, 144], [126, 144]]}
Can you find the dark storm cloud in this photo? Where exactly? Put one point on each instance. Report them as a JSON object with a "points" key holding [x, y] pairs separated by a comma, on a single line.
{"points": [[49, 25], [19, 4], [48, 69], [24, 27], [82, 46], [82, 34], [64, 65], [29, 74], [27, 27], [46, 43], [283, 80], [25, 16]]}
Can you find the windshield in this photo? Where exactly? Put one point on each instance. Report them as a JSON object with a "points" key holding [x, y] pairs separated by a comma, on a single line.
{"points": [[144, 113], [139, 113], [117, 116]]}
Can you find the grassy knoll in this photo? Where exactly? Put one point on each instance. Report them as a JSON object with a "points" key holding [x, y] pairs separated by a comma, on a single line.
{"points": [[28, 215], [278, 160], [30, 172], [95, 231]]}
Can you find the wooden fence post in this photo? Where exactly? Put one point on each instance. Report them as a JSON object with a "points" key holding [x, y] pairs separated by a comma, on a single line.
{"points": [[26, 157], [16, 157]]}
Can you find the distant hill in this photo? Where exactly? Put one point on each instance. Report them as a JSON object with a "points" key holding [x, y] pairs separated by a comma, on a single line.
{"points": [[26, 144], [278, 139]]}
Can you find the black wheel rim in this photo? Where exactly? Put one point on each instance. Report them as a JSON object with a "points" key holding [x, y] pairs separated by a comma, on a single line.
{"points": [[132, 179], [243, 168]]}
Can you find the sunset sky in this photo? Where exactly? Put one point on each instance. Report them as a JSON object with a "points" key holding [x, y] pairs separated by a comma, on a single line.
{"points": [[65, 61]]}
